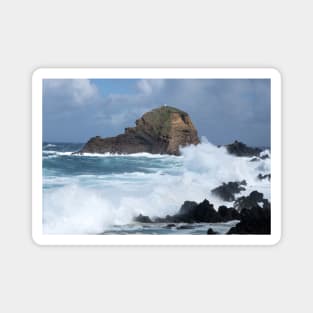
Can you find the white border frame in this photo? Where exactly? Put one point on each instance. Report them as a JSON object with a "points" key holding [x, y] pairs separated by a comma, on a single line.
{"points": [[179, 73]]}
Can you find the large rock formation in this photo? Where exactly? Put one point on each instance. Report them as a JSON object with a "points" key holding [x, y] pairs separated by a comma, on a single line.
{"points": [[160, 131]]}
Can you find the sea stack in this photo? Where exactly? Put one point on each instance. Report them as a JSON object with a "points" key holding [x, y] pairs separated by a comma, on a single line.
{"points": [[160, 131]]}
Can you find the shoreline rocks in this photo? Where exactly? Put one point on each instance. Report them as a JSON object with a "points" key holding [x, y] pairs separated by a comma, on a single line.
{"points": [[211, 232], [254, 199], [143, 219], [227, 191], [253, 213], [228, 214], [191, 212], [254, 221], [240, 149]]}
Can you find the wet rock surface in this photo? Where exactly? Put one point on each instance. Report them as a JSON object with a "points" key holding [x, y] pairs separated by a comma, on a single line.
{"points": [[242, 150], [211, 232], [253, 213], [254, 199], [191, 212], [256, 221], [228, 214], [227, 191]]}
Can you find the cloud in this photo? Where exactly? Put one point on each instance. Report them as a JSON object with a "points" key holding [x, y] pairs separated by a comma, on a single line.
{"points": [[150, 86], [144, 87], [222, 109], [70, 92]]}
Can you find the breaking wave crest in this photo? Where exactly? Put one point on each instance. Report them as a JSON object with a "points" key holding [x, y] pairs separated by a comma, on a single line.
{"points": [[90, 203]]}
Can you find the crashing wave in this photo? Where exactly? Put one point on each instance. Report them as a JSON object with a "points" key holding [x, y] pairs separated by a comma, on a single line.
{"points": [[92, 204]]}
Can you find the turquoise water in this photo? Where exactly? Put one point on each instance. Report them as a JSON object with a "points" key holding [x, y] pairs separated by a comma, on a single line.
{"points": [[101, 194]]}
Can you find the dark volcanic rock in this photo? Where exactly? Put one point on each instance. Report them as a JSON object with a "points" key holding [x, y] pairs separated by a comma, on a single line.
{"points": [[254, 218], [228, 214], [227, 191], [203, 212], [253, 212], [191, 212], [240, 149], [254, 199], [187, 207], [143, 219], [256, 221], [211, 232], [160, 131]]}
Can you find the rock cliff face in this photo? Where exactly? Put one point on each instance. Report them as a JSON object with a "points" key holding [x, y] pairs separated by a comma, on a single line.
{"points": [[160, 131]]}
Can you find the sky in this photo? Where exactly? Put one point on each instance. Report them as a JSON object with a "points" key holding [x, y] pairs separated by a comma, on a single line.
{"points": [[222, 110]]}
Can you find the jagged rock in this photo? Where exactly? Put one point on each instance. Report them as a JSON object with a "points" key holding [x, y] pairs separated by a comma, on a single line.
{"points": [[187, 207], [228, 214], [203, 212], [160, 131], [240, 149], [227, 191], [266, 176], [253, 212], [191, 212], [143, 219], [254, 199], [256, 221], [211, 232]]}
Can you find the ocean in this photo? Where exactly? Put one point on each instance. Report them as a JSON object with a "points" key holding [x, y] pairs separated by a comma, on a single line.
{"points": [[102, 194]]}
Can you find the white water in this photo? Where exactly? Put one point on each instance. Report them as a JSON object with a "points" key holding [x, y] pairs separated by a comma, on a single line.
{"points": [[92, 204]]}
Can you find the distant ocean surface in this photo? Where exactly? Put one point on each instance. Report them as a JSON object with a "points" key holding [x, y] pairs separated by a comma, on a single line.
{"points": [[101, 194]]}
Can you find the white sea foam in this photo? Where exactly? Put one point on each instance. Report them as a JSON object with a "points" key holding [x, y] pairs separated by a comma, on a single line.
{"points": [[49, 145], [265, 152], [92, 204], [135, 155], [53, 152], [106, 155]]}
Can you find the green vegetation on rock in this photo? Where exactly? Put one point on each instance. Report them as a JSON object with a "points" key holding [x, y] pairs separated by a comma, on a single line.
{"points": [[160, 119]]}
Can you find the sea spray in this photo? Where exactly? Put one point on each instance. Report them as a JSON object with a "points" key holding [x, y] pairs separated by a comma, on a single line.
{"points": [[91, 194]]}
